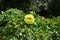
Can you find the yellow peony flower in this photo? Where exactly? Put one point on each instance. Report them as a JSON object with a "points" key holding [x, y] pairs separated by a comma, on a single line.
{"points": [[29, 19]]}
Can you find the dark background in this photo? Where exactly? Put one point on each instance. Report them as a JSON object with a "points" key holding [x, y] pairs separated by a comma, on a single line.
{"points": [[25, 5]]}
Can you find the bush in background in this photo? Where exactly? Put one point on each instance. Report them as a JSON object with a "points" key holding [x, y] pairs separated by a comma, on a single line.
{"points": [[32, 5], [54, 7], [25, 5]]}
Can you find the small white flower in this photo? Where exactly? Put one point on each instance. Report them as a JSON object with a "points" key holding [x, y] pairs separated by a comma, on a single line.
{"points": [[21, 34]]}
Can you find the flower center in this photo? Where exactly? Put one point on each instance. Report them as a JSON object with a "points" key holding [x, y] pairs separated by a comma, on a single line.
{"points": [[29, 18]]}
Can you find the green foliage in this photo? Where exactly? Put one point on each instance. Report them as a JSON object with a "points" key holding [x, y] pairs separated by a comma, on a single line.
{"points": [[13, 27]]}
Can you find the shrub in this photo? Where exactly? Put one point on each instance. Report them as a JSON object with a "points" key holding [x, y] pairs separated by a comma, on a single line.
{"points": [[13, 27]]}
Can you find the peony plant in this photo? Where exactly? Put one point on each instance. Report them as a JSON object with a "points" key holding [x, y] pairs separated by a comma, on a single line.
{"points": [[17, 25]]}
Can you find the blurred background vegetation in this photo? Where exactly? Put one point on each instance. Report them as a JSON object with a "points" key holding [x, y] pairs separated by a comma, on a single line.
{"points": [[46, 8]]}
